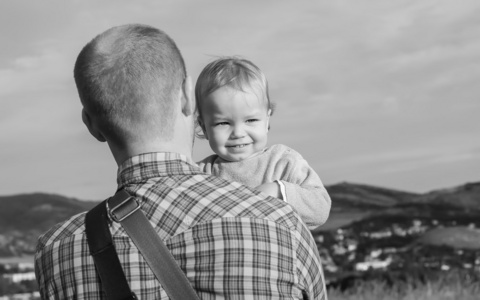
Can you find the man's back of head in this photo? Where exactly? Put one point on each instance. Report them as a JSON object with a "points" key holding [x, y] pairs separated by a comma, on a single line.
{"points": [[128, 79]]}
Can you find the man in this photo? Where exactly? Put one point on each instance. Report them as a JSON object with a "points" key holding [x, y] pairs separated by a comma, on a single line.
{"points": [[230, 241]]}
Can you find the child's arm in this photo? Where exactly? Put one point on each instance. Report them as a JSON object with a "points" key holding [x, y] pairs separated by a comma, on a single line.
{"points": [[303, 188], [312, 202]]}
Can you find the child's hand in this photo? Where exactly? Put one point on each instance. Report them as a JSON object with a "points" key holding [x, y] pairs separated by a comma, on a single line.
{"points": [[270, 188]]}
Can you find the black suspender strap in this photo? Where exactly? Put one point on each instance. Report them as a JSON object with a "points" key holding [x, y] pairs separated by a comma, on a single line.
{"points": [[125, 209], [104, 255]]}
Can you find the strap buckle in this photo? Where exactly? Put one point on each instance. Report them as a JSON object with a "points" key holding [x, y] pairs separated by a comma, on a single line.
{"points": [[124, 210]]}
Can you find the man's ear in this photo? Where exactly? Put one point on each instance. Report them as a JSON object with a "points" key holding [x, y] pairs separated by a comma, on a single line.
{"points": [[188, 105], [91, 128], [202, 125]]}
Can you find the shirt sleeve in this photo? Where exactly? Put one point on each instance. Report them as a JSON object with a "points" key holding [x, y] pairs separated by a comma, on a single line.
{"points": [[43, 273], [39, 276], [309, 266], [306, 193]]}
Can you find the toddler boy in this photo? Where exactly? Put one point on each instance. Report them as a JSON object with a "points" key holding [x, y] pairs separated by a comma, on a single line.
{"points": [[234, 110]]}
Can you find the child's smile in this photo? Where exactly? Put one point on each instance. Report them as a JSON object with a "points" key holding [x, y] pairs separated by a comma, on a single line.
{"points": [[237, 146]]}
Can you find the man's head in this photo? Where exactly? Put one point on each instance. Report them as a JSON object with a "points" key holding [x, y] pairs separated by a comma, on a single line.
{"points": [[132, 82]]}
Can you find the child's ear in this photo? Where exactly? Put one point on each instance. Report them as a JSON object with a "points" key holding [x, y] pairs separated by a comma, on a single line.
{"points": [[91, 127], [202, 125], [269, 113]]}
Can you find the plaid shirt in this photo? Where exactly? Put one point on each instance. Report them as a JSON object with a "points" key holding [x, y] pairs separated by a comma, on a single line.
{"points": [[231, 242]]}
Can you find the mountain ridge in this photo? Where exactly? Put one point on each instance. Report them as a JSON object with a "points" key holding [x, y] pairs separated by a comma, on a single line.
{"points": [[24, 217]]}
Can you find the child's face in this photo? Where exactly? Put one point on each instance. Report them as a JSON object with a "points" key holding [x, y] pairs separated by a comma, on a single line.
{"points": [[235, 123]]}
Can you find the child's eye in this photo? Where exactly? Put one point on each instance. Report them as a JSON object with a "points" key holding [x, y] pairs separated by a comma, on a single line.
{"points": [[252, 120], [221, 123]]}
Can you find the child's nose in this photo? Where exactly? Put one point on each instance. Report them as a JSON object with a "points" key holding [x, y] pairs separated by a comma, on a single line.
{"points": [[238, 132]]}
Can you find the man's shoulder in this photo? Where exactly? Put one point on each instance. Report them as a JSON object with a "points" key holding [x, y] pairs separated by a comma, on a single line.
{"points": [[232, 199], [207, 159], [206, 163], [66, 229]]}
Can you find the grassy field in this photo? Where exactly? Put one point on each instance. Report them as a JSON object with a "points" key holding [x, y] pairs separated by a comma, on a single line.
{"points": [[457, 237], [453, 285]]}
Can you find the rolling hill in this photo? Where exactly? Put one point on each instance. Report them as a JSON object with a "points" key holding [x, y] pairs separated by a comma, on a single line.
{"points": [[348, 196], [356, 202], [41, 211], [464, 196], [24, 217]]}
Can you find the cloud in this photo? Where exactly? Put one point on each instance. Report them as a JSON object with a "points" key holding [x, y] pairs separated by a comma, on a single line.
{"points": [[365, 90], [44, 71]]}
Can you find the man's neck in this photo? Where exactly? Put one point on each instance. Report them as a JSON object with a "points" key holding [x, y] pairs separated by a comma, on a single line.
{"points": [[123, 153]]}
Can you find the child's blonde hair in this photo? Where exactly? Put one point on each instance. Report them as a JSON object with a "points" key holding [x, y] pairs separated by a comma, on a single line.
{"points": [[234, 72]]}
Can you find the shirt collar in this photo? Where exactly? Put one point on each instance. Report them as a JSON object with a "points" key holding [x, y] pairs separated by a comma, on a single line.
{"points": [[156, 164]]}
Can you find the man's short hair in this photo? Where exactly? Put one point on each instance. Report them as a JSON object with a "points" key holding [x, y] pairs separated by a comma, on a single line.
{"points": [[129, 77]]}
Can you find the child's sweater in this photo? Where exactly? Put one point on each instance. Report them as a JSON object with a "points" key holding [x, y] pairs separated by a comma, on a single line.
{"points": [[304, 189]]}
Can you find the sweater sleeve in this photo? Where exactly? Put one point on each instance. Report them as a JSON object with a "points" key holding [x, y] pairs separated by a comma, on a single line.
{"points": [[306, 193]]}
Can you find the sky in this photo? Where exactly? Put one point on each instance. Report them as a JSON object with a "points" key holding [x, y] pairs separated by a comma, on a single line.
{"points": [[384, 93]]}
